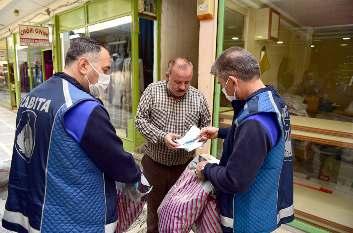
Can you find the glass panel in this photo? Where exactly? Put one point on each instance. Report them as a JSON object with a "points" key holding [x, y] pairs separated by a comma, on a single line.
{"points": [[116, 34], [146, 53], [100, 10], [65, 38], [10, 70], [311, 64], [4, 87], [72, 19], [36, 66], [23, 69], [234, 23]]}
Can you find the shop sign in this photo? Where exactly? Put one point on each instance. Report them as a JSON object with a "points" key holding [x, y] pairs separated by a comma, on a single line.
{"points": [[34, 36]]}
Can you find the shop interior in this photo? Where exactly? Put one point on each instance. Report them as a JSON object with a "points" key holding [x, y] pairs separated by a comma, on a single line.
{"points": [[34, 64], [309, 59], [4, 87], [116, 36], [11, 72]]}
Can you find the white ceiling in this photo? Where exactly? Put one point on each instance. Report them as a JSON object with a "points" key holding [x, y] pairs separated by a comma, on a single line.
{"points": [[309, 13], [25, 7], [318, 13], [30, 12]]}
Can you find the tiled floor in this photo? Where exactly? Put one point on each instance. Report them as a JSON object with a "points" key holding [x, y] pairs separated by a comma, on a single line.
{"points": [[7, 134]]}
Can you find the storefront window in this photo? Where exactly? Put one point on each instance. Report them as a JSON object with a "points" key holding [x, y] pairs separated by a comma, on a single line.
{"points": [[4, 87], [65, 38], [23, 69], [147, 58], [116, 35], [309, 59], [36, 66], [11, 70], [234, 25]]}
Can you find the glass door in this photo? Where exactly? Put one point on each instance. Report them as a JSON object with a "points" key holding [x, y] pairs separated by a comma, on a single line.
{"points": [[232, 35], [4, 85], [25, 81]]}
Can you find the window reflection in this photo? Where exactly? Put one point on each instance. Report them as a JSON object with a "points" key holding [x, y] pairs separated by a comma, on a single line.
{"points": [[65, 38], [116, 35], [310, 62], [23, 68]]}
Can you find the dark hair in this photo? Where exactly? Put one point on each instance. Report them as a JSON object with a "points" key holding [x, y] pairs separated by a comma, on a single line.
{"points": [[238, 62], [181, 62], [80, 46]]}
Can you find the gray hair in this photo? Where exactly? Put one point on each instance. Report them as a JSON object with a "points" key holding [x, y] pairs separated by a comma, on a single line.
{"points": [[180, 63], [238, 62], [81, 46]]}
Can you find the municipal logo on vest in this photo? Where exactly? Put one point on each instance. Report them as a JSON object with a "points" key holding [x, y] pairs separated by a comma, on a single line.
{"points": [[25, 135]]}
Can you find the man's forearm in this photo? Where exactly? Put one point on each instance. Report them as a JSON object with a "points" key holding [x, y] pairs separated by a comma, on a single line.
{"points": [[149, 131]]}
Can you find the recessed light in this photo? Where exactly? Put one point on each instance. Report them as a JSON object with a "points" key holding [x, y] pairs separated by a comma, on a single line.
{"points": [[346, 38], [280, 42], [312, 46], [235, 38], [16, 12]]}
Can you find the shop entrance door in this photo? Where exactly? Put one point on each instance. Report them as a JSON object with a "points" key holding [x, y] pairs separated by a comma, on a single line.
{"points": [[47, 64], [12, 86]]}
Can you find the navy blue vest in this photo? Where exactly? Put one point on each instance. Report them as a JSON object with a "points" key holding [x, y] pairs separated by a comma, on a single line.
{"points": [[269, 201], [54, 186]]}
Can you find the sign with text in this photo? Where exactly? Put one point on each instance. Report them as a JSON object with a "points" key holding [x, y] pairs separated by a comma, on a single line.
{"points": [[34, 36]]}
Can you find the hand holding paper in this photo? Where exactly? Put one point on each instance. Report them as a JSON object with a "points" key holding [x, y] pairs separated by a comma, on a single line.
{"points": [[190, 141]]}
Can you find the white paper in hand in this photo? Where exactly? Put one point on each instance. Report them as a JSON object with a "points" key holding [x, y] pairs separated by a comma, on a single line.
{"points": [[190, 141]]}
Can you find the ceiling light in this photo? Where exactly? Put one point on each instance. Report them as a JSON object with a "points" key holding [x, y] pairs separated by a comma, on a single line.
{"points": [[16, 12], [279, 42], [74, 36], [343, 45], [312, 46], [346, 38], [79, 31], [259, 37], [235, 38]]}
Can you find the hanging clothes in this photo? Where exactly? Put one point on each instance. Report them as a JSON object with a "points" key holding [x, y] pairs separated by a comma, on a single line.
{"points": [[24, 77]]}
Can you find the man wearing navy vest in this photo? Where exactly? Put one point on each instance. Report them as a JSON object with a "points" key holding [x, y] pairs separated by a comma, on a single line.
{"points": [[66, 155], [254, 179]]}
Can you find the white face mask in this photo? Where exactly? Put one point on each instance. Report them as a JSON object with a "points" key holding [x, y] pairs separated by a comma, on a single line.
{"points": [[228, 97], [99, 89]]}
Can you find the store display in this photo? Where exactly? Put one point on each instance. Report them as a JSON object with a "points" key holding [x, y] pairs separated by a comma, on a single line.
{"points": [[296, 105], [24, 77], [117, 38]]}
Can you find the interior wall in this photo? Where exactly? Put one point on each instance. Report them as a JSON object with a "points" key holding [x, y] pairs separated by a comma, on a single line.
{"points": [[179, 33]]}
